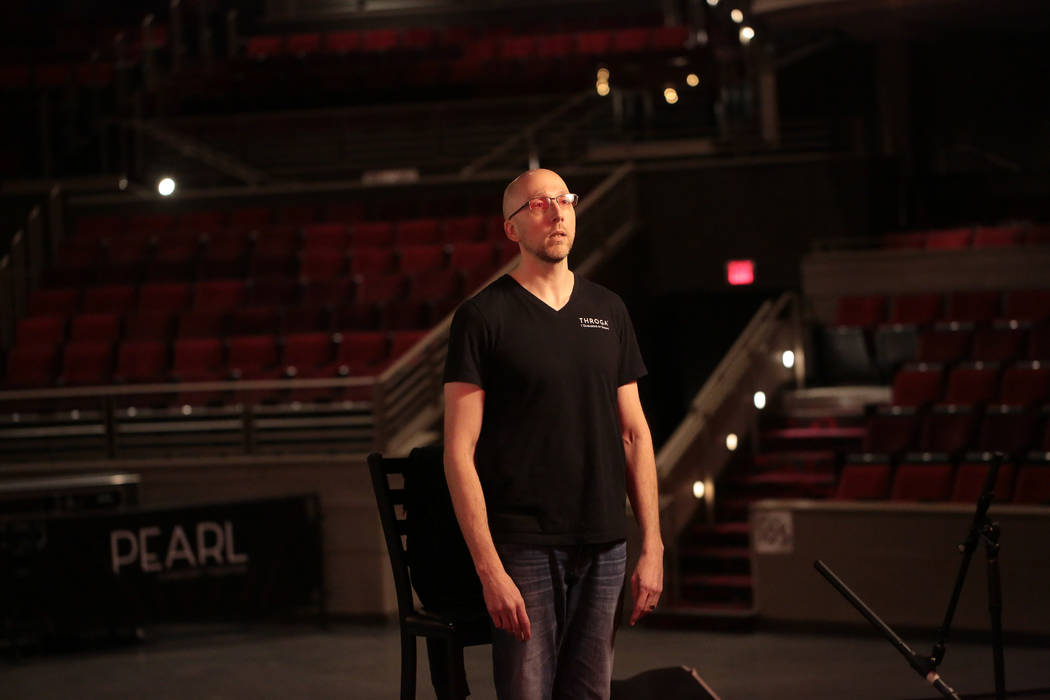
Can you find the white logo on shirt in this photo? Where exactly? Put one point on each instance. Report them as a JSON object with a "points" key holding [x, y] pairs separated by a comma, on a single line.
{"points": [[588, 322]]}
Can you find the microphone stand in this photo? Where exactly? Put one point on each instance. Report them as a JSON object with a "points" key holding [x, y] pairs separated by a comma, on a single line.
{"points": [[982, 527]]}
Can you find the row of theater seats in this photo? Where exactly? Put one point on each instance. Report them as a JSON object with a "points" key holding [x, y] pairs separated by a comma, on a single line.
{"points": [[1004, 236], [309, 222], [297, 355], [922, 478], [87, 74], [510, 47], [867, 344], [276, 257]]}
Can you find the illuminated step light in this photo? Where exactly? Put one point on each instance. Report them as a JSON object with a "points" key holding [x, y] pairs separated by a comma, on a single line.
{"points": [[670, 95], [760, 400], [737, 16], [603, 75], [699, 489], [746, 35], [692, 80], [602, 88], [787, 358], [166, 186], [731, 442]]}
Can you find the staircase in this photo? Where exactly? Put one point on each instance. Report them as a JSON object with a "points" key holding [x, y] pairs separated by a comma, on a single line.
{"points": [[798, 448]]}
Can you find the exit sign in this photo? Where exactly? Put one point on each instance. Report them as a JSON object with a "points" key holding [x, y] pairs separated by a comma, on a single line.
{"points": [[740, 272]]}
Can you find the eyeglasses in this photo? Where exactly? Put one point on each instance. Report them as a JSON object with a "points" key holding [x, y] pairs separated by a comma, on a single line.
{"points": [[540, 205]]}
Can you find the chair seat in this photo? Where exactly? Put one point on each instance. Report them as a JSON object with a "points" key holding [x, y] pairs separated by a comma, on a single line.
{"points": [[472, 628]]}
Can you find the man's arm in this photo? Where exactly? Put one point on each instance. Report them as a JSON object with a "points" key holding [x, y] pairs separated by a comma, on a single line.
{"points": [[464, 406], [647, 582]]}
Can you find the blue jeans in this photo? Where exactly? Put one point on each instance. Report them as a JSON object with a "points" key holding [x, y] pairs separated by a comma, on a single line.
{"points": [[571, 596]]}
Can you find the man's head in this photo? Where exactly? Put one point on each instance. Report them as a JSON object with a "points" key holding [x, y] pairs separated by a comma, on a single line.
{"points": [[534, 218]]}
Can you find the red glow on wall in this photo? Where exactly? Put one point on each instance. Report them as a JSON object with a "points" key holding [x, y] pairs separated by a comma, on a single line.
{"points": [[740, 272]]}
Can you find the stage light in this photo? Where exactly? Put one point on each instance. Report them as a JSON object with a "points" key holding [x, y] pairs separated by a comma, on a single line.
{"points": [[692, 80], [602, 88], [698, 489], [787, 358], [731, 441], [760, 400], [737, 16], [712, 3], [166, 186], [670, 95], [746, 35], [603, 75]]}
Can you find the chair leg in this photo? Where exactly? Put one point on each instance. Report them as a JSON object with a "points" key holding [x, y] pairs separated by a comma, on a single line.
{"points": [[437, 659], [408, 665], [457, 674]]}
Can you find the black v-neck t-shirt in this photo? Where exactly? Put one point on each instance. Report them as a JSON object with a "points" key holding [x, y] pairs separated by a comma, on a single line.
{"points": [[550, 454]]}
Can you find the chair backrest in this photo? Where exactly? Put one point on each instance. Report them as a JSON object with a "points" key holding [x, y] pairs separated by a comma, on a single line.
{"points": [[394, 527]]}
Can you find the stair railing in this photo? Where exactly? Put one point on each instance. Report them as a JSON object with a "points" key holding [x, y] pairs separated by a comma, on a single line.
{"points": [[700, 448]]}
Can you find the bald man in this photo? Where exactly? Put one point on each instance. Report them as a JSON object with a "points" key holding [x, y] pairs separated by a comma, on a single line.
{"points": [[544, 435]]}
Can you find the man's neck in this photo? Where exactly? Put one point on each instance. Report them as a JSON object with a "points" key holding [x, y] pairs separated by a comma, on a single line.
{"points": [[552, 283]]}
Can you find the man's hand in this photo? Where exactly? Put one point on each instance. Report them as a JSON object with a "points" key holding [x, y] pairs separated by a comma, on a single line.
{"points": [[647, 583], [506, 606]]}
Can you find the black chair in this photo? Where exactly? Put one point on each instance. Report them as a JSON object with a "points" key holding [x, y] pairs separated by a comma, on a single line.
{"points": [[446, 633]]}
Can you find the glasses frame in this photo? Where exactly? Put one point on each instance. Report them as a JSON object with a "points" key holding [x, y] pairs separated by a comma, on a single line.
{"points": [[551, 201]]}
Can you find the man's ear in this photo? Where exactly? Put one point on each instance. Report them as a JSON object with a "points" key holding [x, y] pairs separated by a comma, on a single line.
{"points": [[510, 230]]}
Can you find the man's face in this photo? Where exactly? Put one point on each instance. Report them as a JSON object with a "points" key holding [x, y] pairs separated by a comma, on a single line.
{"points": [[548, 235]]}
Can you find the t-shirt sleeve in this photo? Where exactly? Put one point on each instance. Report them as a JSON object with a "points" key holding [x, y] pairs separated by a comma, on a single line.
{"points": [[467, 341], [632, 367]]}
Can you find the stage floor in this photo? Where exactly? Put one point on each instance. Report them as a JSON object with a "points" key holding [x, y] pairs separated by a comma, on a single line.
{"points": [[362, 662]]}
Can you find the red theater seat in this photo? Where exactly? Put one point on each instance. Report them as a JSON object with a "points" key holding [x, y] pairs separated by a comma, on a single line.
{"points": [[357, 317], [973, 307], [418, 39], [1002, 343], [418, 258], [219, 294], [1033, 485], [57, 302], [309, 318], [922, 482], [342, 42], [467, 256], [404, 315], [1039, 343], [668, 38], [203, 221], [304, 44], [517, 48], [252, 356], [31, 366], [632, 40], [40, 330], [273, 291], [379, 40], [970, 477], [103, 327], [464, 228], [920, 309], [330, 236], [117, 298], [198, 359], [322, 265], [379, 261], [150, 224], [418, 232], [917, 385], [1028, 304], [892, 430], [972, 383], [255, 320], [250, 219], [861, 311], [362, 352], [904, 241], [307, 353], [374, 234], [435, 286], [297, 215], [1008, 429], [403, 341], [263, 47], [87, 362], [998, 237], [164, 296], [594, 42], [332, 291], [554, 46], [203, 323], [948, 428], [863, 482], [149, 325], [142, 361], [945, 344], [949, 239], [1025, 383], [380, 289]]}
